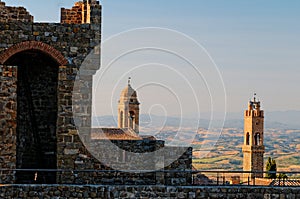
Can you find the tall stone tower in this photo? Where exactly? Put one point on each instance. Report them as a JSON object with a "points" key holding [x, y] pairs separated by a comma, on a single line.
{"points": [[128, 109], [253, 148]]}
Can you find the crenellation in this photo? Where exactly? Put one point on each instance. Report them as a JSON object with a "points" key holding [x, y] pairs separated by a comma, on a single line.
{"points": [[13, 14], [83, 12]]}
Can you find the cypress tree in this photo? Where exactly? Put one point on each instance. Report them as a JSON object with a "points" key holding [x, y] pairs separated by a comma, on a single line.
{"points": [[271, 167]]}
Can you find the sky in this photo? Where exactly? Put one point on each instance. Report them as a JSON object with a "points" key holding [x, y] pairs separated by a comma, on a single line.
{"points": [[255, 46]]}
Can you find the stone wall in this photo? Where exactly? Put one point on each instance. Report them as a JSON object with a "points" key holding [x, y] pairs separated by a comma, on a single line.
{"points": [[128, 159], [38, 126], [182, 163], [14, 14], [98, 191], [8, 119], [67, 46]]}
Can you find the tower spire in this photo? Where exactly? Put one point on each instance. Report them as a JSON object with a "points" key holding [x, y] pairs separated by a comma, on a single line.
{"points": [[129, 81]]}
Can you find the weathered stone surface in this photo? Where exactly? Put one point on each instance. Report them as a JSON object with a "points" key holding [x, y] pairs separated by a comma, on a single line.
{"points": [[8, 13], [48, 141], [8, 119], [151, 191], [38, 101]]}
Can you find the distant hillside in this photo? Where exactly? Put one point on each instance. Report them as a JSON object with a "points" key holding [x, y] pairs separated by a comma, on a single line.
{"points": [[273, 120], [152, 120], [282, 140], [280, 119]]}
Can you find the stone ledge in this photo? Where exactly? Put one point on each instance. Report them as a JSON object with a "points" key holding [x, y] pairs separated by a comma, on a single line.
{"points": [[151, 191]]}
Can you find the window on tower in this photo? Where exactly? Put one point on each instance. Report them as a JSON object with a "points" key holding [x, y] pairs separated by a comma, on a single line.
{"points": [[257, 139], [121, 119], [247, 138]]}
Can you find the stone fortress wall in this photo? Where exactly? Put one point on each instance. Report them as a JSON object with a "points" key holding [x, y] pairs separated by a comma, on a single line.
{"points": [[9, 14], [74, 42], [39, 63]]}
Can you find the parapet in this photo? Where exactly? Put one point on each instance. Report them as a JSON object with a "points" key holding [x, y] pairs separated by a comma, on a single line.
{"points": [[13, 14], [83, 12], [254, 113]]}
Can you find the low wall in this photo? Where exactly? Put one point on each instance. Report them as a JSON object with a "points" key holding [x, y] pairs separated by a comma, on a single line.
{"points": [[100, 191]]}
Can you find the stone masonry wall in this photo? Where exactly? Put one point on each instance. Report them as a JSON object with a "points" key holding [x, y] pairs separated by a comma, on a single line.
{"points": [[14, 14], [182, 163], [73, 42], [68, 45], [177, 173], [8, 117], [152, 191]]}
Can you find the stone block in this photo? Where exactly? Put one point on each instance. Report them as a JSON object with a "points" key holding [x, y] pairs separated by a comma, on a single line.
{"points": [[71, 151]]}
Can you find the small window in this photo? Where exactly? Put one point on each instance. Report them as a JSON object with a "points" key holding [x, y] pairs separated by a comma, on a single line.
{"points": [[247, 138], [257, 139]]}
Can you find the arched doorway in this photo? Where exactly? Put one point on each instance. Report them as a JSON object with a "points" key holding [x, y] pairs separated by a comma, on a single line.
{"points": [[37, 109]]}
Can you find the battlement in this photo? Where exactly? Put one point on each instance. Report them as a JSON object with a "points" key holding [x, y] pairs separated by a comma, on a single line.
{"points": [[83, 12], [254, 113], [12, 14]]}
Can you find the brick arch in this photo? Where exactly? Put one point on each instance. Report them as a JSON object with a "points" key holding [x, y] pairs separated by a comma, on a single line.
{"points": [[33, 45]]}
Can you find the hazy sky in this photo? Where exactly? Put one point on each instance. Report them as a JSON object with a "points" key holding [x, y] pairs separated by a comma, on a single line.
{"points": [[255, 44]]}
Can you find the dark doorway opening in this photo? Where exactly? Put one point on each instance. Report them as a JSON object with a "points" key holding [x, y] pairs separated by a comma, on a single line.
{"points": [[36, 115]]}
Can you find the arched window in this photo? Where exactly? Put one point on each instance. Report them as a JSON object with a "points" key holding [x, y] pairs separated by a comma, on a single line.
{"points": [[131, 119], [257, 139], [247, 138], [121, 119]]}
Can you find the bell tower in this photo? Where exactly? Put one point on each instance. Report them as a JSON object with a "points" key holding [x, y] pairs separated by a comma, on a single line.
{"points": [[253, 148], [128, 109]]}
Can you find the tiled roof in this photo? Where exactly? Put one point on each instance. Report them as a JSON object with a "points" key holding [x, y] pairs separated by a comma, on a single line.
{"points": [[286, 182], [115, 134], [148, 137]]}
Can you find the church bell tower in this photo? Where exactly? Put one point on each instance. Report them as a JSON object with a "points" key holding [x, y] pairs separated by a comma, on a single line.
{"points": [[128, 109], [253, 148]]}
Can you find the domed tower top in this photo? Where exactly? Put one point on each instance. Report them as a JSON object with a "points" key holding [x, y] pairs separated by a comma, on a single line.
{"points": [[128, 94], [128, 108]]}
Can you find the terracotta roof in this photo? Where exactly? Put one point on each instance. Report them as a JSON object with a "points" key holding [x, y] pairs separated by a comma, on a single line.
{"points": [[286, 182], [148, 137], [115, 134], [128, 92]]}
